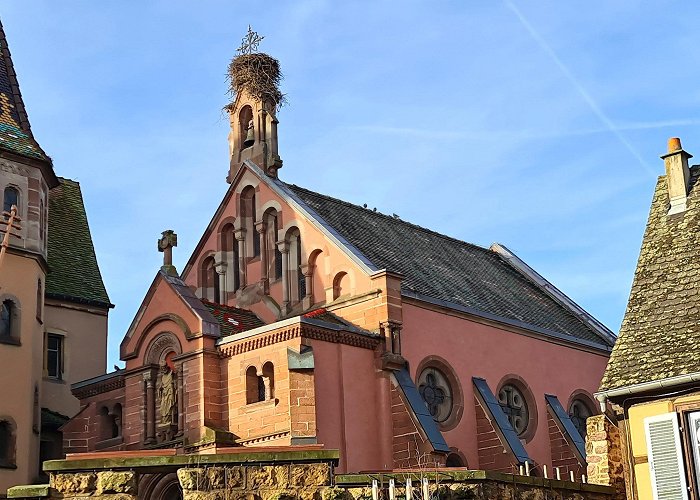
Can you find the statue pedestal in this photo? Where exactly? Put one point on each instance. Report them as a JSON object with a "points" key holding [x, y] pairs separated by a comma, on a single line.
{"points": [[166, 433]]}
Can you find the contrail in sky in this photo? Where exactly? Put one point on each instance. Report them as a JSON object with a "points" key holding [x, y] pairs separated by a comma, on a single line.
{"points": [[584, 93]]}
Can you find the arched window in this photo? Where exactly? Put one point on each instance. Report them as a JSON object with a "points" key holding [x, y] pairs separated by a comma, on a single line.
{"points": [[297, 281], [10, 197], [455, 460], [245, 122], [252, 385], [247, 211], [116, 420], [9, 320], [42, 223], [269, 380], [39, 299], [339, 284], [274, 256], [579, 411], [7, 443], [210, 280], [229, 246]]}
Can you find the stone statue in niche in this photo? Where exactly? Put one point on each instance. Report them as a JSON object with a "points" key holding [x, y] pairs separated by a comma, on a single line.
{"points": [[167, 403]]}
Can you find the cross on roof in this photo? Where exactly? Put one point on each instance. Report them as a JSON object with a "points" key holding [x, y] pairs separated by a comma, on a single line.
{"points": [[165, 245], [250, 42]]}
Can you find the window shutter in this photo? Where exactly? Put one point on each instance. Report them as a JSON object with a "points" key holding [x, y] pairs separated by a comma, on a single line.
{"points": [[665, 457]]}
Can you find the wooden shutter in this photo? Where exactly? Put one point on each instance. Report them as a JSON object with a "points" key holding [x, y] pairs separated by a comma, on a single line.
{"points": [[665, 457]]}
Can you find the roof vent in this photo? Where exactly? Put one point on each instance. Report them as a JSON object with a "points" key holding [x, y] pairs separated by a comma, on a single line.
{"points": [[677, 175]]}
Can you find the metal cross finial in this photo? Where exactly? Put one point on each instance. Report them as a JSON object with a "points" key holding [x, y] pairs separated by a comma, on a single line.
{"points": [[250, 42]]}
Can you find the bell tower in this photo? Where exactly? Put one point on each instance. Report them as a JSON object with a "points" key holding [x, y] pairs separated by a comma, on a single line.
{"points": [[254, 79]]}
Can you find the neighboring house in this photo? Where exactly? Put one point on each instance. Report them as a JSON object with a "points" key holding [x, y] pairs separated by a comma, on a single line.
{"points": [[53, 304], [303, 319], [653, 377]]}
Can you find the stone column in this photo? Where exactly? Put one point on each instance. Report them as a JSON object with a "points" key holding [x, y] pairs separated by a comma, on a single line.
{"points": [[220, 268], [179, 376], [308, 272], [283, 247], [260, 227], [240, 238], [150, 408], [604, 455]]}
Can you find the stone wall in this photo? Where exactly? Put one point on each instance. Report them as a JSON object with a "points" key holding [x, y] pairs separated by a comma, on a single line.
{"points": [[604, 454], [283, 474]]}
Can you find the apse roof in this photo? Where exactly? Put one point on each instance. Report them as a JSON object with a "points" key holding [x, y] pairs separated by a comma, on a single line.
{"points": [[73, 270], [660, 334], [446, 269]]}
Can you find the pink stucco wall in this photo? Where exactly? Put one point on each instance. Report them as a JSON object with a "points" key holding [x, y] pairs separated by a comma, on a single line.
{"points": [[351, 409], [475, 349]]}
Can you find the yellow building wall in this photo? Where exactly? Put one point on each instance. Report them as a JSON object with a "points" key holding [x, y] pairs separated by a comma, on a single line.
{"points": [[84, 331], [637, 438], [20, 368]]}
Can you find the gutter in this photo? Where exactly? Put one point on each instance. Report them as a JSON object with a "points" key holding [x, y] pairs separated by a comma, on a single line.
{"points": [[666, 383]]}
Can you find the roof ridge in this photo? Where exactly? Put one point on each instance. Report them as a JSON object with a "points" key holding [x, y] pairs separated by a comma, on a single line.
{"points": [[67, 180], [395, 219]]}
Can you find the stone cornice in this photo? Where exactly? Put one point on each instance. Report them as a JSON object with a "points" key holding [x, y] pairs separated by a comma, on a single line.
{"points": [[298, 330]]}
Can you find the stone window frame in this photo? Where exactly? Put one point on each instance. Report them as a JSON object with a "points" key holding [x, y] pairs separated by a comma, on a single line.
{"points": [[20, 197], [9, 460], [257, 391], [61, 378], [519, 383], [15, 336], [444, 367]]}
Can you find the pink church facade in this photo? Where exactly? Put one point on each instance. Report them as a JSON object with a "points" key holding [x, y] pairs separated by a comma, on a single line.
{"points": [[303, 320]]}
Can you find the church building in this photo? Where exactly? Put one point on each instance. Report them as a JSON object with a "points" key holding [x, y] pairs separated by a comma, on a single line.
{"points": [[53, 303], [304, 320]]}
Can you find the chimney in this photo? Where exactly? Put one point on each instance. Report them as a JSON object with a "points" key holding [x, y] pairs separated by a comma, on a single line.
{"points": [[677, 175]]}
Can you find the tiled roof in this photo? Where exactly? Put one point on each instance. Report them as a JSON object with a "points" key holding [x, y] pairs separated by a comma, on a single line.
{"points": [[445, 268], [73, 270], [660, 334], [233, 320], [15, 133]]}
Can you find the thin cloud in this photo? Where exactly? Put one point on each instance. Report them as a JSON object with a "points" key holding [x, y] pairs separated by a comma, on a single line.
{"points": [[411, 132], [609, 125]]}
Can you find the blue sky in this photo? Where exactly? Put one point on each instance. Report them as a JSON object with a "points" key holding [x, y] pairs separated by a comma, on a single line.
{"points": [[534, 124]]}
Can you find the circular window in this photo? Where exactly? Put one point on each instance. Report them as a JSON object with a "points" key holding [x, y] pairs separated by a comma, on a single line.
{"points": [[579, 411], [436, 392], [513, 403]]}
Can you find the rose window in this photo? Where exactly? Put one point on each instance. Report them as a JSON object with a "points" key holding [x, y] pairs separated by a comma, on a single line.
{"points": [[436, 392], [514, 406]]}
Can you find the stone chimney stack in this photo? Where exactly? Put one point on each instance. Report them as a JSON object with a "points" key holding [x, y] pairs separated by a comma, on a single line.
{"points": [[677, 175]]}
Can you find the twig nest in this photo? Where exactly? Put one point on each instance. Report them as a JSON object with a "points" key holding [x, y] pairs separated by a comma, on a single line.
{"points": [[259, 74]]}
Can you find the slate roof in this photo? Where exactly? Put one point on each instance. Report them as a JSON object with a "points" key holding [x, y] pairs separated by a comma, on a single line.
{"points": [[73, 270], [15, 133], [660, 334], [233, 320], [447, 269]]}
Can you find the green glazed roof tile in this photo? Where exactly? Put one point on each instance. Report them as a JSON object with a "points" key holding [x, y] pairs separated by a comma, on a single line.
{"points": [[73, 270]]}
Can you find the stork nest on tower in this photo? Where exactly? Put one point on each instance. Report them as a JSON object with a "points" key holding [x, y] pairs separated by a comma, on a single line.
{"points": [[259, 74]]}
